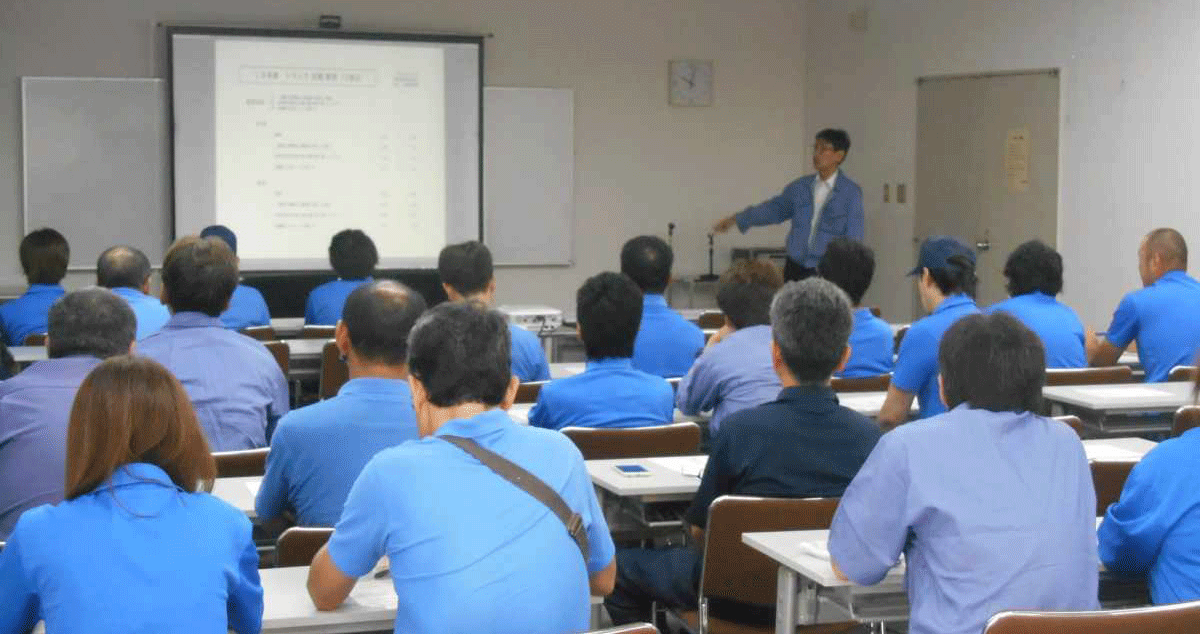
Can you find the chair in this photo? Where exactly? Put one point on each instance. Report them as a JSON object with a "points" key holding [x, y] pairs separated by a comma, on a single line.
{"points": [[35, 339], [528, 392], [240, 464], [1182, 373], [261, 333], [1109, 479], [878, 383], [631, 628], [1089, 376], [334, 372], [1186, 417], [1074, 422], [1162, 619], [675, 439], [711, 320], [317, 332], [898, 338], [298, 545], [875, 311], [282, 354]]}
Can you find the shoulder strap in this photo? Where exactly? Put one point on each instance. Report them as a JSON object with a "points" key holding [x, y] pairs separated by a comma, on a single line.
{"points": [[530, 484]]}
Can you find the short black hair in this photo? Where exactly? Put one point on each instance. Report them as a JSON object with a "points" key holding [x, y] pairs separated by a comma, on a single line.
{"points": [[850, 264], [91, 321], [199, 274], [744, 292], [466, 267], [1034, 266], [378, 318], [839, 139], [352, 254], [992, 362], [122, 267], [647, 261], [44, 256], [460, 352], [811, 322], [959, 277], [609, 309]]}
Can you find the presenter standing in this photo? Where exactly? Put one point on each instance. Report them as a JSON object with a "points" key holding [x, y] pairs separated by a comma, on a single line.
{"points": [[836, 199]]}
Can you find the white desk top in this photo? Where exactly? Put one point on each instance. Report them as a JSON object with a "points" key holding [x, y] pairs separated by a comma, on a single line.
{"points": [[28, 354], [520, 413], [298, 348], [807, 553], [663, 482], [563, 370], [1122, 397], [866, 403], [238, 492], [288, 608], [1117, 449]]}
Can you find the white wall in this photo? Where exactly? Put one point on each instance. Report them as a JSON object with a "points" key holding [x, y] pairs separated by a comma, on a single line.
{"points": [[1130, 118], [640, 164]]}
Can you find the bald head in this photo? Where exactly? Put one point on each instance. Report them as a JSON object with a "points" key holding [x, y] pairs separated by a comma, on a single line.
{"points": [[378, 316], [1168, 245], [122, 267]]}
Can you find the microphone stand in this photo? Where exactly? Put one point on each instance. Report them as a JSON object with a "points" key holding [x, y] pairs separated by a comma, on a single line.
{"points": [[711, 276]]}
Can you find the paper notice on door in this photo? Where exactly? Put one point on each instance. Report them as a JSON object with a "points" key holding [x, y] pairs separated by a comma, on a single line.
{"points": [[1016, 160]]}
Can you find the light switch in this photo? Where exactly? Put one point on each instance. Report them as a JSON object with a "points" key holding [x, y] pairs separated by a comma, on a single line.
{"points": [[901, 189], [887, 190]]}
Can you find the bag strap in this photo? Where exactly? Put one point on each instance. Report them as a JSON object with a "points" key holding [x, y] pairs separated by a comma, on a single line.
{"points": [[530, 484]]}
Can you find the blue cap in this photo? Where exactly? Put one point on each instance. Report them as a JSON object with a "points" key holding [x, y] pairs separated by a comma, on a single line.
{"points": [[936, 252], [222, 232]]}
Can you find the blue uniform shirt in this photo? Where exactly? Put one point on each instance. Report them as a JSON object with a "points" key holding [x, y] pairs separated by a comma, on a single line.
{"points": [[916, 369], [151, 313], [609, 393], [1155, 526], [325, 302], [234, 383], [666, 344], [26, 315], [137, 554], [528, 358], [871, 346], [842, 215], [734, 374], [469, 551], [319, 450], [1162, 319], [992, 510], [246, 308], [1055, 323]]}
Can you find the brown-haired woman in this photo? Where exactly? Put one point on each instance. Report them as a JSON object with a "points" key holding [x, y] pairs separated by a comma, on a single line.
{"points": [[133, 547]]}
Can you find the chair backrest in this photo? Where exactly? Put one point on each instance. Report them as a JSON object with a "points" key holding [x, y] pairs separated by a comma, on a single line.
{"points": [[1109, 479], [282, 354], [528, 392], [240, 464], [262, 333], [875, 311], [317, 332], [1089, 376], [35, 339], [298, 545], [675, 439], [898, 338], [1182, 373], [631, 628], [877, 383], [334, 372], [711, 320], [1186, 417], [1163, 619], [1074, 422]]}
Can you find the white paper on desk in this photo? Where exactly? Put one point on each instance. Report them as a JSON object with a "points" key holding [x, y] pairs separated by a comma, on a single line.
{"points": [[375, 593], [860, 402], [1108, 453], [815, 549], [1121, 392], [686, 465], [252, 486]]}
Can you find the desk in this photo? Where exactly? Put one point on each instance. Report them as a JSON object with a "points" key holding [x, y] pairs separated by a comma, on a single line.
{"points": [[868, 403], [305, 354], [564, 370], [238, 492], [287, 607], [1117, 449], [520, 412], [287, 327], [664, 484], [1126, 402]]}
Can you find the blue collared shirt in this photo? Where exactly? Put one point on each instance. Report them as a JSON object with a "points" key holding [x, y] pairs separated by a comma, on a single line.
{"points": [[319, 450], [666, 344], [732, 375], [151, 314], [469, 551], [137, 554], [325, 302], [1155, 526], [35, 406], [871, 346], [992, 510], [1161, 318], [609, 393], [916, 369], [235, 384], [842, 215], [246, 308], [528, 357], [26, 315], [1055, 323]]}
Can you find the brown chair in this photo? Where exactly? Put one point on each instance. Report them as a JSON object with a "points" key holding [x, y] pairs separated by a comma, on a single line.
{"points": [[1074, 423], [1162, 619], [528, 392], [1109, 479], [1186, 417], [875, 311], [1089, 376], [298, 545], [334, 372], [35, 339], [898, 338], [1182, 373], [261, 333], [240, 464], [878, 383], [675, 439], [631, 628], [317, 332], [282, 354], [711, 320]]}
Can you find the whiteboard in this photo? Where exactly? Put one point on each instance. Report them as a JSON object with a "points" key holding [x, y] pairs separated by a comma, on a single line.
{"points": [[95, 163], [529, 175]]}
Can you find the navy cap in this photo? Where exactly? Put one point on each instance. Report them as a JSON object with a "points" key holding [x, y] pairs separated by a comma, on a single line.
{"points": [[222, 232], [936, 252]]}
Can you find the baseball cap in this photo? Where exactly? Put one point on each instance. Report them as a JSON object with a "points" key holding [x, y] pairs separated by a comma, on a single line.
{"points": [[936, 252], [222, 232]]}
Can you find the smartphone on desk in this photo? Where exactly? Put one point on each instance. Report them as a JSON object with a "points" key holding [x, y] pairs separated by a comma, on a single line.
{"points": [[633, 470]]}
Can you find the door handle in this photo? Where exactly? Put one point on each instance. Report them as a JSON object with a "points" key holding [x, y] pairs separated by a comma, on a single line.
{"points": [[983, 245]]}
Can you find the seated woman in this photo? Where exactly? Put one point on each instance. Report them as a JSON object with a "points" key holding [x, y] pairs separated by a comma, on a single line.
{"points": [[134, 547]]}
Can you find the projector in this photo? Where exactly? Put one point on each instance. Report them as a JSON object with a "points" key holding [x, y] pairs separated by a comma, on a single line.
{"points": [[536, 319]]}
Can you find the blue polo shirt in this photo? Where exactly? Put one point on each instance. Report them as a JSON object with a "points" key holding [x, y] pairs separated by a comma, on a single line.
{"points": [[246, 308], [734, 374], [26, 315], [609, 393], [916, 368], [1155, 527], [992, 510], [528, 357], [666, 344], [1161, 317], [1055, 323], [150, 312], [318, 451], [325, 302], [871, 346], [137, 554], [468, 550]]}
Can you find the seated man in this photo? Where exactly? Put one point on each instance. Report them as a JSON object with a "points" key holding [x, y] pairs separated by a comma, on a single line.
{"points": [[318, 451], [466, 272], [44, 256], [85, 327], [801, 445], [235, 385], [735, 371], [126, 271], [1160, 317], [1034, 273], [353, 257], [991, 504], [851, 265], [246, 307], [667, 344], [468, 550], [609, 393]]}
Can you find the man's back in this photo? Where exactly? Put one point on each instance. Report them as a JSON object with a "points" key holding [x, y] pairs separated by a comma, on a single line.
{"points": [[1161, 318], [26, 315], [871, 345], [528, 356], [246, 308], [610, 393], [325, 302], [1056, 325], [150, 312], [732, 375], [666, 344]]}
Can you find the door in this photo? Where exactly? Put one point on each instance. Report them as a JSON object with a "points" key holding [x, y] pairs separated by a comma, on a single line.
{"points": [[987, 166]]}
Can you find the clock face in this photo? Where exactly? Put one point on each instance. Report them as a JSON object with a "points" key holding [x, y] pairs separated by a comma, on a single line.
{"points": [[691, 82]]}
